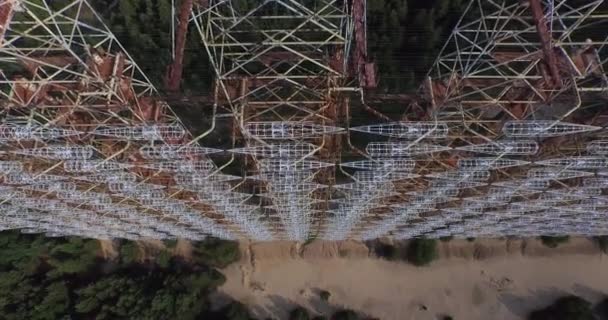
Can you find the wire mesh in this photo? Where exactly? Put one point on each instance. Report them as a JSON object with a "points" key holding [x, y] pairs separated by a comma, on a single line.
{"points": [[544, 128], [407, 130]]}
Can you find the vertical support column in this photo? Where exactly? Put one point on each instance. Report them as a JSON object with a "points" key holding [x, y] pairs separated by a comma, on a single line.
{"points": [[364, 69], [175, 70], [360, 34], [546, 42]]}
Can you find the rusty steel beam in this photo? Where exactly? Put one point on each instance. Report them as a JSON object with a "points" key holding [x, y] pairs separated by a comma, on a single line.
{"points": [[360, 34], [546, 41], [364, 69], [176, 69]]}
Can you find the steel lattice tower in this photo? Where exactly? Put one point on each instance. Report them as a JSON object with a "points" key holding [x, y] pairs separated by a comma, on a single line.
{"points": [[518, 95], [511, 140], [87, 146], [280, 67]]}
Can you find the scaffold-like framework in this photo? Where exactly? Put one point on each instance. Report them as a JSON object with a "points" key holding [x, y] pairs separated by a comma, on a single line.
{"points": [[512, 140], [522, 89], [88, 148], [280, 67]]}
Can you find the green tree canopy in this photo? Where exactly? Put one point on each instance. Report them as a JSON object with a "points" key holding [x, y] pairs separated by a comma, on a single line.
{"points": [[64, 278], [215, 252]]}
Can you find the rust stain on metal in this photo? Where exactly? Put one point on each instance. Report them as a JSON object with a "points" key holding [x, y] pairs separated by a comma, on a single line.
{"points": [[176, 69]]}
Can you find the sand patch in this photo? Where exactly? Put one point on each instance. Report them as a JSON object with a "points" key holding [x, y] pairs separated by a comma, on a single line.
{"points": [[485, 279], [108, 249]]}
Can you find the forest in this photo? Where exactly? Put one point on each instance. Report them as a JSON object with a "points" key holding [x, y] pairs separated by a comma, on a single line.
{"points": [[404, 37], [67, 278]]}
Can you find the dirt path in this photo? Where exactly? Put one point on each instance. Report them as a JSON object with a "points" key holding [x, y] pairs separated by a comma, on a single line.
{"points": [[183, 249], [485, 279], [108, 249]]}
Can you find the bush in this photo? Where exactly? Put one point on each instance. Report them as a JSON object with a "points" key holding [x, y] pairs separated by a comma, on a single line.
{"points": [[565, 308], [216, 253], [299, 313], [129, 253], [471, 239], [421, 252], [345, 315], [553, 242], [170, 243], [324, 295], [163, 259]]}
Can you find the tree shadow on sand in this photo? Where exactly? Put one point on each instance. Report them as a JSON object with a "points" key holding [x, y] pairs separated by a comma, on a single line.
{"points": [[278, 307], [522, 305], [588, 293]]}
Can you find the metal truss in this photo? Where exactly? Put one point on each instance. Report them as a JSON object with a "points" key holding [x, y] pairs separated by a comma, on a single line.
{"points": [[88, 148], [512, 139], [280, 67], [520, 59], [519, 91]]}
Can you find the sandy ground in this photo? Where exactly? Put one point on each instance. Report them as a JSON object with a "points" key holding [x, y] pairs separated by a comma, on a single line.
{"points": [[183, 249], [485, 279], [108, 249]]}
